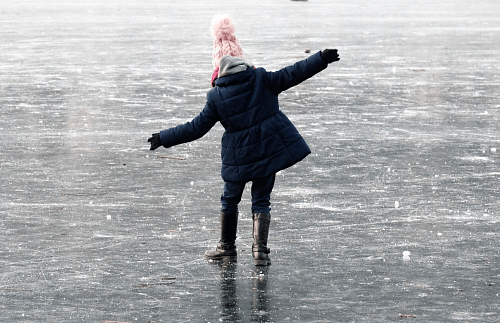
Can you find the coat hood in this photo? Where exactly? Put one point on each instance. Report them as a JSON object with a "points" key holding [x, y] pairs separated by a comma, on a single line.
{"points": [[230, 65]]}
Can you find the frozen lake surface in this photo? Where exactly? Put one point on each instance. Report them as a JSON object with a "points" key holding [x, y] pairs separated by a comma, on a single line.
{"points": [[404, 131]]}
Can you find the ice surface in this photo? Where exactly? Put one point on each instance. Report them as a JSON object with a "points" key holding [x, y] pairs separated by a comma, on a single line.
{"points": [[95, 228]]}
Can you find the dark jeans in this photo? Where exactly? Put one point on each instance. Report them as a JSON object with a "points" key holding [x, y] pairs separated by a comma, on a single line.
{"points": [[261, 195]]}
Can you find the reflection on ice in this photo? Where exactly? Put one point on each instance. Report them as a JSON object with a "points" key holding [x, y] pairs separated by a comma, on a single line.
{"points": [[230, 311], [260, 310]]}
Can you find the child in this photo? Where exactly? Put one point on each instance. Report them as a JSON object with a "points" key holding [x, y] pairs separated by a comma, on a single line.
{"points": [[259, 140]]}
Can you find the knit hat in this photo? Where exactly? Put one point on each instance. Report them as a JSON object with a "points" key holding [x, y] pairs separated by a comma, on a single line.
{"points": [[225, 43]]}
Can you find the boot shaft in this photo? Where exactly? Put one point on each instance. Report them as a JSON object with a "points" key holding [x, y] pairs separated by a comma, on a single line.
{"points": [[261, 223], [260, 251], [228, 226]]}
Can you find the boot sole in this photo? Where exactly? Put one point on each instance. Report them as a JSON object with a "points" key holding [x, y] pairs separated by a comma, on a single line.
{"points": [[259, 262], [224, 258]]}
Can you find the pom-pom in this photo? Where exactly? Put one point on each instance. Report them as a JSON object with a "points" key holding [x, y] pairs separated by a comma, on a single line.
{"points": [[222, 26]]}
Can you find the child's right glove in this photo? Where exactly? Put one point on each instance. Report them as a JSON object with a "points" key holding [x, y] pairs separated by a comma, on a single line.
{"points": [[155, 141], [330, 55]]}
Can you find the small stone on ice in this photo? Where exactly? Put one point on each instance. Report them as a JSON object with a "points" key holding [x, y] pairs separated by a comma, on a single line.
{"points": [[307, 50]]}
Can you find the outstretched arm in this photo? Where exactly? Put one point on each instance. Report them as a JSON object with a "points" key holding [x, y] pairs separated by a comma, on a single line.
{"points": [[290, 76], [187, 132]]}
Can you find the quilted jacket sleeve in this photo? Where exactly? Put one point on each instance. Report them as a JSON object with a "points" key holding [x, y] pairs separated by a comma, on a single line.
{"points": [[192, 130], [290, 76]]}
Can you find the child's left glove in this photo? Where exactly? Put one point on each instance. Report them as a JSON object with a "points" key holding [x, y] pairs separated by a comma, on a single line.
{"points": [[155, 141]]}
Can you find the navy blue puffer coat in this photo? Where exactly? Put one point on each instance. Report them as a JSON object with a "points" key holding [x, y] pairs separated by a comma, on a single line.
{"points": [[259, 139]]}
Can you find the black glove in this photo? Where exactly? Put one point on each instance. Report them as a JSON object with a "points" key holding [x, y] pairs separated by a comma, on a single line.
{"points": [[330, 55], [155, 141]]}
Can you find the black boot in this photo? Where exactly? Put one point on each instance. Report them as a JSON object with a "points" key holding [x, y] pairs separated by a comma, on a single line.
{"points": [[225, 248], [260, 251]]}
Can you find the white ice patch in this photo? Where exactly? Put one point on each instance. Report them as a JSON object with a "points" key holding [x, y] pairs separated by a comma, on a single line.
{"points": [[175, 100], [475, 159], [298, 191], [305, 205]]}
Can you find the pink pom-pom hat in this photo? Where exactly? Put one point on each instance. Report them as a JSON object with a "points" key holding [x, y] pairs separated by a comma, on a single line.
{"points": [[225, 43]]}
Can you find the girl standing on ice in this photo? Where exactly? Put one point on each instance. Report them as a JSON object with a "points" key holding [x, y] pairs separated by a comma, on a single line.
{"points": [[259, 140]]}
